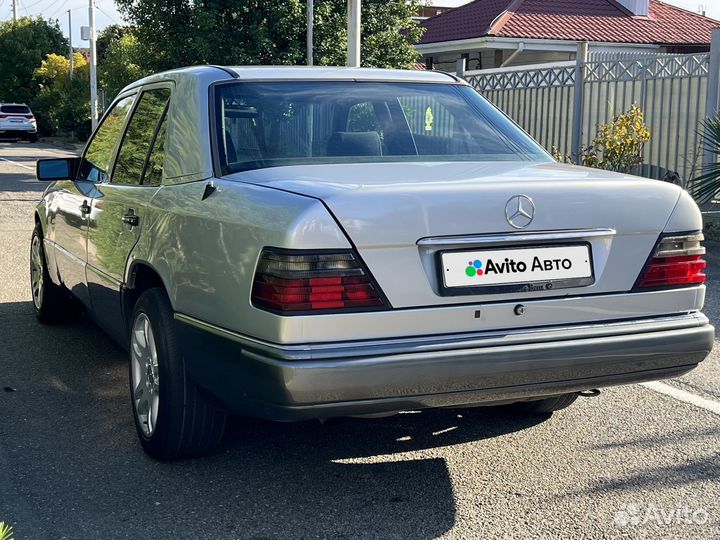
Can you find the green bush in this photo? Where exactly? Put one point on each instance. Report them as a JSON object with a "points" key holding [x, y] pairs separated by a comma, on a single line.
{"points": [[618, 145]]}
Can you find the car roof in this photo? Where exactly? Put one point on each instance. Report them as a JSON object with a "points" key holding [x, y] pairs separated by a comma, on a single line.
{"points": [[339, 73], [185, 159], [299, 73]]}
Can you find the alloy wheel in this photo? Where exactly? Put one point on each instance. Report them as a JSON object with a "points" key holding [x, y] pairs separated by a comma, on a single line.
{"points": [[37, 274], [145, 374]]}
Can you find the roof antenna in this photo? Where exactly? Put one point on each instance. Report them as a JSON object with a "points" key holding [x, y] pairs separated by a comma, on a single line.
{"points": [[702, 9]]}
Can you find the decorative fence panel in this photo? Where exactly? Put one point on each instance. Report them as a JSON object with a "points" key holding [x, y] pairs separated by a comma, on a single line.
{"points": [[670, 89]]}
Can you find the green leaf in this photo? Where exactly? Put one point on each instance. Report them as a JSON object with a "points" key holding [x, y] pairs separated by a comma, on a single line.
{"points": [[705, 186], [5, 531]]}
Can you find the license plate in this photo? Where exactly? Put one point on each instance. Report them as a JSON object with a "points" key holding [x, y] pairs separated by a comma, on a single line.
{"points": [[16, 120], [551, 267]]}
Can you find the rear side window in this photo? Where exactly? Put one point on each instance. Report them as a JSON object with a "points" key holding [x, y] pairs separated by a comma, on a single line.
{"points": [[96, 164], [15, 109], [139, 136], [154, 168]]}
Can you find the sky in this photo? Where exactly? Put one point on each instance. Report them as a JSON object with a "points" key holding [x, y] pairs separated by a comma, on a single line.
{"points": [[107, 14]]}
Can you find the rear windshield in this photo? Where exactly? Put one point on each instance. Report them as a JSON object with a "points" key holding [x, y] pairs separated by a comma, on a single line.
{"points": [[273, 124], [15, 109]]}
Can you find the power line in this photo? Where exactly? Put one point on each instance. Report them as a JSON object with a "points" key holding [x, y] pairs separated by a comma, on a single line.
{"points": [[59, 9], [31, 6], [111, 17]]}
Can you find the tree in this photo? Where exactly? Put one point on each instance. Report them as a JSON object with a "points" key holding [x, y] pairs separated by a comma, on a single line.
{"points": [[177, 33], [108, 35], [389, 33], [24, 44], [63, 105], [121, 64]]}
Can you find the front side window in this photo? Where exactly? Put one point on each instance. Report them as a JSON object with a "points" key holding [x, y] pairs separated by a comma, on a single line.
{"points": [[139, 137], [95, 165], [273, 124]]}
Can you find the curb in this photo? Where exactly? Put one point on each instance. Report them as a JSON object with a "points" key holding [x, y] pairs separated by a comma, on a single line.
{"points": [[64, 145]]}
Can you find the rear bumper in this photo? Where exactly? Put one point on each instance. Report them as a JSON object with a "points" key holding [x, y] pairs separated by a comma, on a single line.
{"points": [[17, 131], [339, 379]]}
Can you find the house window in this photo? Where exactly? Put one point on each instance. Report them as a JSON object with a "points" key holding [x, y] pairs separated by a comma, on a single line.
{"points": [[429, 62]]}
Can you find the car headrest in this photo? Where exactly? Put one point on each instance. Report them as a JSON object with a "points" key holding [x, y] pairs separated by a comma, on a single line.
{"points": [[360, 143]]}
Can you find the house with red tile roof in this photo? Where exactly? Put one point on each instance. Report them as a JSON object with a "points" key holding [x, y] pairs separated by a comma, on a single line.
{"points": [[499, 33]]}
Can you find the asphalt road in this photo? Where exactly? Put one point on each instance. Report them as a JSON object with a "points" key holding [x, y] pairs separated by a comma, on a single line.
{"points": [[632, 463]]}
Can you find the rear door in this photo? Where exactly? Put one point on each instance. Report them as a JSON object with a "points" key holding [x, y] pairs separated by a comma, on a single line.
{"points": [[119, 205]]}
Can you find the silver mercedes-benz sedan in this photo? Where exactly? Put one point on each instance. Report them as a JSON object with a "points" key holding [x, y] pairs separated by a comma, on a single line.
{"points": [[296, 243]]}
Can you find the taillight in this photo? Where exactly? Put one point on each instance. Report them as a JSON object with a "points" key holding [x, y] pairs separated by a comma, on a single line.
{"points": [[3, 116], [290, 281], [30, 116], [677, 261]]}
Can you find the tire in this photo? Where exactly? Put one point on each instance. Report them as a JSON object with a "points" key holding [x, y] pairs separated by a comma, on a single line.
{"points": [[52, 303], [32, 138], [541, 407], [172, 416]]}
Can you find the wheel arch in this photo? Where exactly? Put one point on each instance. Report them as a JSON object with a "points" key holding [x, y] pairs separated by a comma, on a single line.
{"points": [[141, 276], [39, 220]]}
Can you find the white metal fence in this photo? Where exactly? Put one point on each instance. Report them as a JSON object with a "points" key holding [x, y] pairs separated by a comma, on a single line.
{"points": [[561, 104]]}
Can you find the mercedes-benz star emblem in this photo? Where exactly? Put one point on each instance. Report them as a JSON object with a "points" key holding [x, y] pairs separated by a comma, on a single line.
{"points": [[520, 211]]}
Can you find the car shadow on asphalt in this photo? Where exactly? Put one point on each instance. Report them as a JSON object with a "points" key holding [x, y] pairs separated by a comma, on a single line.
{"points": [[74, 446]]}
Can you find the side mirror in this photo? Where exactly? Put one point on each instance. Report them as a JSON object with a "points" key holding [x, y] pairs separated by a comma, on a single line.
{"points": [[57, 169]]}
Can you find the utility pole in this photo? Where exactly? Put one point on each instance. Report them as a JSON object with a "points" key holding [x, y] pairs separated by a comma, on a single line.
{"points": [[15, 6], [93, 68], [72, 60], [353, 22], [309, 32]]}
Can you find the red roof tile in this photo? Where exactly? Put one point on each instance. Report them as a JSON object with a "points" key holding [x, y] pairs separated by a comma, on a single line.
{"points": [[575, 20]]}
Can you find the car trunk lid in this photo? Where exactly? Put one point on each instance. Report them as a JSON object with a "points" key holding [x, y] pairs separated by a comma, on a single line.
{"points": [[402, 217]]}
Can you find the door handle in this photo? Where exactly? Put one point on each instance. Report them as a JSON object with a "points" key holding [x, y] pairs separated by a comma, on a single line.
{"points": [[84, 208], [131, 219]]}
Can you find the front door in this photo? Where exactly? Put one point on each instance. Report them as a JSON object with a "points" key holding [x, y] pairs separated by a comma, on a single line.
{"points": [[119, 207], [69, 207]]}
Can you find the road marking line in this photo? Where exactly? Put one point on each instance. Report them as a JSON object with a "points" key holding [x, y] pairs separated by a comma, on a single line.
{"points": [[684, 396], [18, 164]]}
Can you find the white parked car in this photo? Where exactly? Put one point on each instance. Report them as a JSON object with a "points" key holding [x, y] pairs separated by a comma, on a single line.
{"points": [[297, 243], [17, 122]]}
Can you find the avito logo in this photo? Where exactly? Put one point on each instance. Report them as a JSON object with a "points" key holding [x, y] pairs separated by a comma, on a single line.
{"points": [[474, 268], [511, 266]]}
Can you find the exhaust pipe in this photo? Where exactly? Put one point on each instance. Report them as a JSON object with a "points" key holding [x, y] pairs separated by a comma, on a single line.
{"points": [[589, 393]]}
